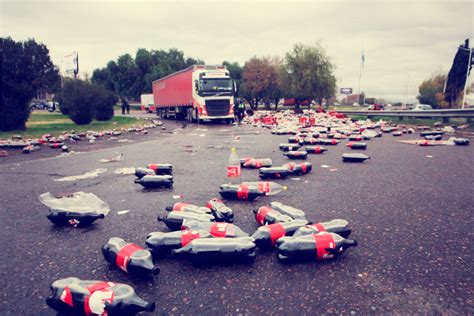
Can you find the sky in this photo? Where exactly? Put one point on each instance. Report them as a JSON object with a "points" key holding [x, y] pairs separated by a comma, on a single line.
{"points": [[403, 42]]}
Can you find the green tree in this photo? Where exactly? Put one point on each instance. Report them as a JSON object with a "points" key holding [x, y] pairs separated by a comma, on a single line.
{"points": [[431, 91], [307, 74], [260, 80], [26, 70], [235, 71]]}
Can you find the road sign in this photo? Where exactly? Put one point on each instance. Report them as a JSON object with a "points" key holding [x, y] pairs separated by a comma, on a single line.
{"points": [[346, 91]]}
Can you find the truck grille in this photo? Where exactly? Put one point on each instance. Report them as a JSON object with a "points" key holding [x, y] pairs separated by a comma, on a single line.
{"points": [[217, 107]]}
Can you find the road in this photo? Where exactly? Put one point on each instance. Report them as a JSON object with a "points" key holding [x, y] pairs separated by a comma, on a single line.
{"points": [[410, 213]]}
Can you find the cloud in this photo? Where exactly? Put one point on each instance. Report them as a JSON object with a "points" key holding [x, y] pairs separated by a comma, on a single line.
{"points": [[400, 39]]}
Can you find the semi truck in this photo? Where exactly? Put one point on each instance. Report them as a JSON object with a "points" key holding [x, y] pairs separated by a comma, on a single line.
{"points": [[199, 92]]}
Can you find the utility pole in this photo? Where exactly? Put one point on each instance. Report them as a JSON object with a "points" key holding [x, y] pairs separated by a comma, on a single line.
{"points": [[406, 92]]}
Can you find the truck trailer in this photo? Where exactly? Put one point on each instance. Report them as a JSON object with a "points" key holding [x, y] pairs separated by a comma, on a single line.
{"points": [[196, 93]]}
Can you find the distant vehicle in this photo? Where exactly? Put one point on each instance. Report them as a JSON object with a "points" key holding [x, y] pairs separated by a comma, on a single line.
{"points": [[292, 102], [146, 101], [196, 93], [376, 107], [53, 106], [422, 107], [38, 105]]}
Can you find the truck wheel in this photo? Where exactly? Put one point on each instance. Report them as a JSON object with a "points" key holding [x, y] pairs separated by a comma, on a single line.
{"points": [[198, 120]]}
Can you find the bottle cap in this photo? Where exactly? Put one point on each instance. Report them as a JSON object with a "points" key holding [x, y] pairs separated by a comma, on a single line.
{"points": [[233, 149], [285, 188]]}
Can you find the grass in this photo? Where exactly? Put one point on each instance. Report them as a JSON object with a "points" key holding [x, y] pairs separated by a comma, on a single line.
{"points": [[412, 121], [53, 123]]}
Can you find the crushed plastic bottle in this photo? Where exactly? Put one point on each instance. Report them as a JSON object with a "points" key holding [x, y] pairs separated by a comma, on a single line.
{"points": [[267, 236], [220, 211], [239, 192], [265, 215], [161, 243], [337, 226], [289, 210], [216, 229], [129, 257], [175, 220], [258, 163], [312, 247], [274, 173], [298, 169], [266, 187], [154, 181], [73, 296], [186, 207], [219, 250]]}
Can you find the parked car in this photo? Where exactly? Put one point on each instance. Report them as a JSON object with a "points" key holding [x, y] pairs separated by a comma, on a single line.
{"points": [[38, 105], [376, 107], [422, 107]]}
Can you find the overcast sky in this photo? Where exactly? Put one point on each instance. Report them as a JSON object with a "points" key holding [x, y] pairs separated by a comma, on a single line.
{"points": [[401, 39]]}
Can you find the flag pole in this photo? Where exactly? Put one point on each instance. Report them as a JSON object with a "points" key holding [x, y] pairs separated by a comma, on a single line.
{"points": [[467, 74], [360, 75]]}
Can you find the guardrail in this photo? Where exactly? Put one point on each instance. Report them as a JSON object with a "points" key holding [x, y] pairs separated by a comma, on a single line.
{"points": [[444, 114]]}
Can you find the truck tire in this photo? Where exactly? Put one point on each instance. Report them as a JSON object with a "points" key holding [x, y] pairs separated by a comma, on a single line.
{"points": [[198, 120]]}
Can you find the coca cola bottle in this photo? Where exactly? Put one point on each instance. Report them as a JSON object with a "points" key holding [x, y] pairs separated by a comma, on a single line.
{"points": [[288, 210], [296, 154], [129, 257], [289, 147], [141, 172], [461, 141], [356, 145], [220, 211], [65, 218], [266, 215], [312, 247], [174, 220], [357, 157], [266, 187], [73, 296], [293, 140], [326, 141], [315, 149], [218, 230], [233, 167], [274, 173], [239, 192], [258, 163], [161, 169], [162, 243], [219, 250], [299, 169], [153, 182], [266, 236], [337, 226], [186, 207]]}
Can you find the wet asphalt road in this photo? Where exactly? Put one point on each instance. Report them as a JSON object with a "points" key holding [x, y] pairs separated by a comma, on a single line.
{"points": [[412, 217]]}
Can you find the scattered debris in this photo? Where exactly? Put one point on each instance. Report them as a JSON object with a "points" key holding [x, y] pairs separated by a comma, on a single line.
{"points": [[126, 170], [123, 212], [87, 175], [113, 159]]}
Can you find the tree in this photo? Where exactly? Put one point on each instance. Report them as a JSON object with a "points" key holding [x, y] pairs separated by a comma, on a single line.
{"points": [[104, 102], [307, 74], [431, 91], [235, 71], [260, 80], [27, 70]]}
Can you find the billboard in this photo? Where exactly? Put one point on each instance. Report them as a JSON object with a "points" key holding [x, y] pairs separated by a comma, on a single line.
{"points": [[70, 64], [346, 91]]}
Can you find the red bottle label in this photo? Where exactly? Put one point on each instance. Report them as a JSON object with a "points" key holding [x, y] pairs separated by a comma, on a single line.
{"points": [[276, 231], [334, 142], [264, 187], [261, 213], [317, 150], [291, 166], [233, 171], [153, 166], [258, 164], [187, 236], [319, 227], [243, 192], [303, 167], [178, 207], [66, 296], [349, 144], [220, 230], [323, 242], [125, 254]]}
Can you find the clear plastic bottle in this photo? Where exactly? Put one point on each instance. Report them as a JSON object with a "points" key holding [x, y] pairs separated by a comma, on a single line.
{"points": [[267, 187], [233, 168]]}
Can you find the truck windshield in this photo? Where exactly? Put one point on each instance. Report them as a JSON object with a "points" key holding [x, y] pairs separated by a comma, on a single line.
{"points": [[216, 86]]}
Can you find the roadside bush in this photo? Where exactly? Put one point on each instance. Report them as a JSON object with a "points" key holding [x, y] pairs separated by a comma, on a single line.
{"points": [[105, 104], [84, 101]]}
